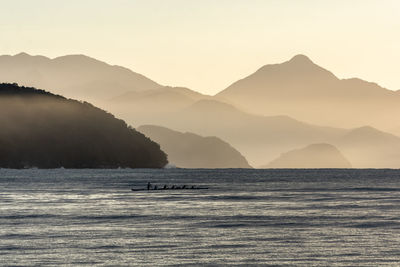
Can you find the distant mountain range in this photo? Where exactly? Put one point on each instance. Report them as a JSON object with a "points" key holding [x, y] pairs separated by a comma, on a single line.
{"points": [[188, 150], [301, 89], [75, 76], [297, 88], [258, 138], [263, 138], [277, 109]]}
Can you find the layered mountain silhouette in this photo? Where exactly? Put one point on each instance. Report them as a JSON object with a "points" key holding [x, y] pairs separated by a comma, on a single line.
{"points": [[39, 129], [301, 89], [312, 156], [258, 138], [188, 150], [75, 76], [263, 138], [297, 88], [277, 109]]}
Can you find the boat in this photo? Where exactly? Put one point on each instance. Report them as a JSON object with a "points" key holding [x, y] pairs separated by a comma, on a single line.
{"points": [[169, 188]]}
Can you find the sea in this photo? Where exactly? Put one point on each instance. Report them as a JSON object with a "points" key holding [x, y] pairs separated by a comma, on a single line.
{"points": [[246, 217]]}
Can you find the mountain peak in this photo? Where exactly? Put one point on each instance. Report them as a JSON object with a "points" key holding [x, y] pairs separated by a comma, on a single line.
{"points": [[369, 133], [27, 57], [22, 54], [366, 130], [79, 59], [300, 58], [299, 65]]}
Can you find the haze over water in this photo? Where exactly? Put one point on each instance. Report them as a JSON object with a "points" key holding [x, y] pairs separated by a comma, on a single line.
{"points": [[276, 217]]}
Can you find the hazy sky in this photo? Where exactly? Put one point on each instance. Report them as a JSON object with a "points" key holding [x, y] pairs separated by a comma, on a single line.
{"points": [[208, 44]]}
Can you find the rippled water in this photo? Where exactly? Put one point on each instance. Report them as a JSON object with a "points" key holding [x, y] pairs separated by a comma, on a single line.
{"points": [[246, 217]]}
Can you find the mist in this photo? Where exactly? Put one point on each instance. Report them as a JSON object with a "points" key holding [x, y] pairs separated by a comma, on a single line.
{"points": [[279, 108]]}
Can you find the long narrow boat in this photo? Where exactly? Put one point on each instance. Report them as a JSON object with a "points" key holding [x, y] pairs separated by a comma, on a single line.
{"points": [[169, 189]]}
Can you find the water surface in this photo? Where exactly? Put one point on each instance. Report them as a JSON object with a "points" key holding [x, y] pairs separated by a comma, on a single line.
{"points": [[247, 217]]}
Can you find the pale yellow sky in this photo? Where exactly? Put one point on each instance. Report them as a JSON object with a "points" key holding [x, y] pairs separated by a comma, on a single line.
{"points": [[206, 44]]}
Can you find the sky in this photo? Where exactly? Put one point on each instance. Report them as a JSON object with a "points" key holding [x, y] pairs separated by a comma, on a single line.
{"points": [[208, 44]]}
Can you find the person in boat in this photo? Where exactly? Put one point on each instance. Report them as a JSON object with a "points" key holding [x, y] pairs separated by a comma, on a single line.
{"points": [[149, 186], [165, 187]]}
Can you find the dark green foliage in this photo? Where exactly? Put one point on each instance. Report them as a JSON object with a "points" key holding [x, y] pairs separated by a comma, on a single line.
{"points": [[39, 129]]}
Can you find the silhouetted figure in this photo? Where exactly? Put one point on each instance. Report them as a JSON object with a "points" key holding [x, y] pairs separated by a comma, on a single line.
{"points": [[165, 187], [184, 187], [173, 187], [148, 186], [155, 187]]}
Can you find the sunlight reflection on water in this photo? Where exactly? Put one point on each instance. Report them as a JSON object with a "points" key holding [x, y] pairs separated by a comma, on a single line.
{"points": [[277, 217]]}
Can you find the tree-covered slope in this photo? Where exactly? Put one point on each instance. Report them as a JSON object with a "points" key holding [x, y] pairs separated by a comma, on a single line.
{"points": [[39, 129]]}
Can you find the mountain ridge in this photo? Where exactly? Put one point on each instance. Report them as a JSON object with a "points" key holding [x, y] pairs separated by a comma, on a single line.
{"points": [[258, 138], [77, 76], [299, 88], [312, 156], [189, 150]]}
